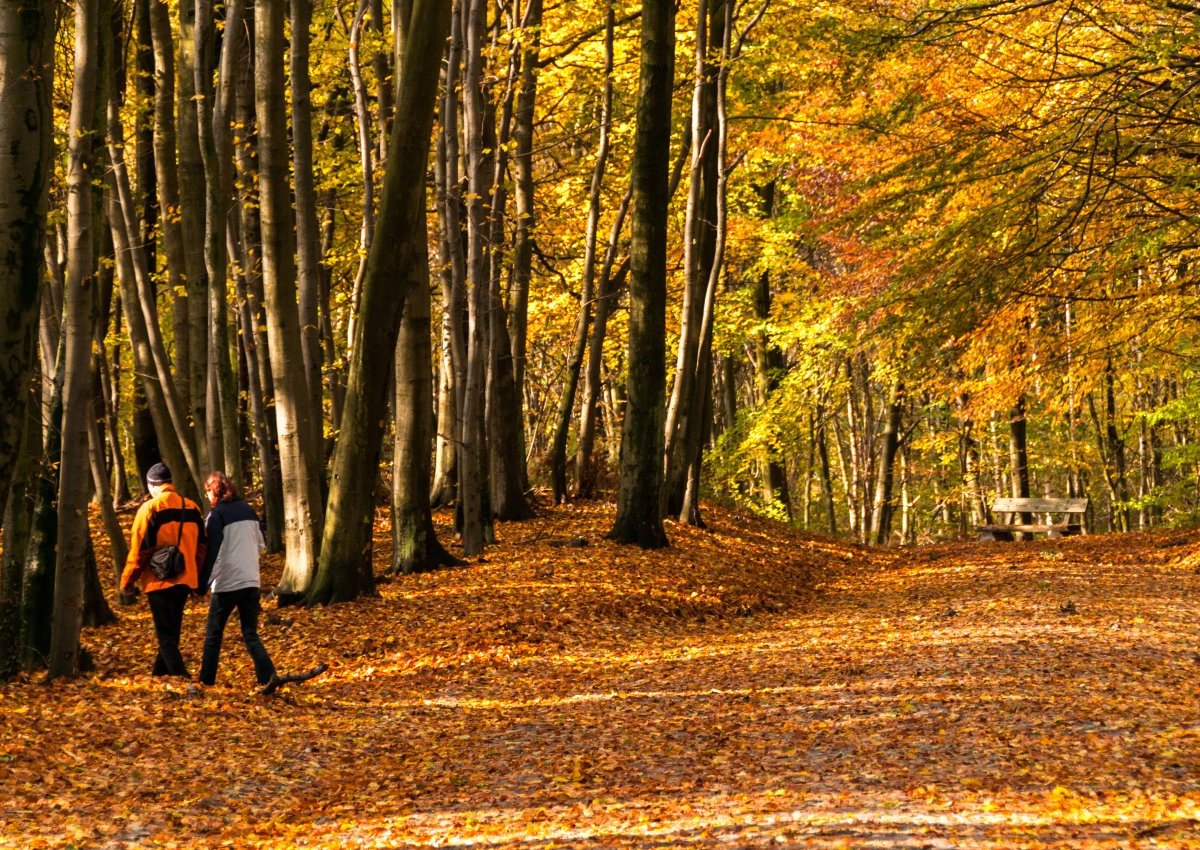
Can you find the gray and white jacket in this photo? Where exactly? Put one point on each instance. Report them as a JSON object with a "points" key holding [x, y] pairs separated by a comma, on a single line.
{"points": [[235, 540]]}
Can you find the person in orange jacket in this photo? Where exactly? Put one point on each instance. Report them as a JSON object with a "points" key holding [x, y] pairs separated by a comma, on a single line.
{"points": [[165, 519]]}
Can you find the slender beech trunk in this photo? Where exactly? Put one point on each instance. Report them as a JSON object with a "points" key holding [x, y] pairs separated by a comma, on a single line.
{"points": [[137, 296], [366, 157], [398, 264], [453, 237], [26, 134], [566, 409], [214, 111], [294, 415], [473, 467], [881, 515], [526, 223], [639, 518], [700, 237], [610, 286], [78, 320], [167, 182], [191, 211], [822, 438], [415, 547], [308, 245]]}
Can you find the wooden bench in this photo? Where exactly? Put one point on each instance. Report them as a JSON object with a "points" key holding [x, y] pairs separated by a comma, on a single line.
{"points": [[1071, 509]]}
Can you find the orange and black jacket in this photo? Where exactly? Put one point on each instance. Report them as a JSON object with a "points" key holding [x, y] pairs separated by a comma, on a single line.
{"points": [[167, 520]]}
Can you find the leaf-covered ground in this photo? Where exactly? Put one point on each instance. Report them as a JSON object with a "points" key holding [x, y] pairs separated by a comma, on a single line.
{"points": [[747, 687]]}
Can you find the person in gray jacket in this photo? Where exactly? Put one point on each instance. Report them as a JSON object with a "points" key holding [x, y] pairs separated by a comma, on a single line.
{"points": [[230, 570]]}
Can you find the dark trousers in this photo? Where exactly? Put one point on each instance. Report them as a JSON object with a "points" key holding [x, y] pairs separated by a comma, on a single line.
{"points": [[248, 606], [166, 607]]}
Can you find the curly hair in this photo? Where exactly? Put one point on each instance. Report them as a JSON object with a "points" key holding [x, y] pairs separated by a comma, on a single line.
{"points": [[219, 483]]}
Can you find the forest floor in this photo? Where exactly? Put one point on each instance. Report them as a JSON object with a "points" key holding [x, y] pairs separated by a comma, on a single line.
{"points": [[748, 687]]}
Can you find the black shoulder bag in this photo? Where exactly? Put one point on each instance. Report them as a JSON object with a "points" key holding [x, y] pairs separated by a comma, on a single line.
{"points": [[167, 562]]}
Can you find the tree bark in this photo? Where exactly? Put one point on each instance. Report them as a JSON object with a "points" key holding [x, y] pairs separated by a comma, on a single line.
{"points": [[397, 265], [415, 547], [294, 415], [78, 320], [308, 245], [639, 519], [191, 211], [473, 467], [26, 134], [881, 515], [566, 409]]}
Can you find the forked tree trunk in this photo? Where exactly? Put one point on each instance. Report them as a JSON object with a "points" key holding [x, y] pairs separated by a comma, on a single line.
{"points": [[639, 518], [398, 264], [294, 415]]}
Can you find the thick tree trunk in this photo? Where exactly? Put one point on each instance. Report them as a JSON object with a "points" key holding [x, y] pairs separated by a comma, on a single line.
{"points": [[397, 265], [78, 321], [639, 518], [26, 135], [294, 415]]}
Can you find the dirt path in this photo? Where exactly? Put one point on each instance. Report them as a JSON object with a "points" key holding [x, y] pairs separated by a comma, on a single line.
{"points": [[1003, 695]]}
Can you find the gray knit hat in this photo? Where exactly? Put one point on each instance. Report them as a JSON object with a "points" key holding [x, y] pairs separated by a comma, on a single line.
{"points": [[160, 473]]}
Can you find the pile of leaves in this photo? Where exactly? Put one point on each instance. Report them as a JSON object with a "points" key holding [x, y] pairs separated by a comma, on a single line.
{"points": [[746, 686]]}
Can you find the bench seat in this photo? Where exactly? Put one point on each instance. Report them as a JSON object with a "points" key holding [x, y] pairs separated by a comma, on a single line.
{"points": [[1073, 508]]}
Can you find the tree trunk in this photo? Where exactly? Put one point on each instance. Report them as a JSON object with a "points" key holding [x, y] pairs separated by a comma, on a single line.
{"points": [[78, 320], [26, 133], [558, 450], [639, 519], [700, 239], [17, 534], [606, 298], [881, 515], [171, 424], [473, 468], [308, 246], [505, 412], [191, 211], [822, 439], [398, 264], [415, 547]]}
